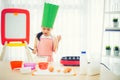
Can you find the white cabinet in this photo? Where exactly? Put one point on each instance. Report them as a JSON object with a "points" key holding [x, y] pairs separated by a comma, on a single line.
{"points": [[111, 35]]}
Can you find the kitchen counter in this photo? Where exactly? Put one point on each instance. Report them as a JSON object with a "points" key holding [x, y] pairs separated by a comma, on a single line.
{"points": [[107, 74], [7, 74]]}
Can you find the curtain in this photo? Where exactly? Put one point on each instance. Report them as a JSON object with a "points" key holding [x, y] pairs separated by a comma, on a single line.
{"points": [[95, 28]]}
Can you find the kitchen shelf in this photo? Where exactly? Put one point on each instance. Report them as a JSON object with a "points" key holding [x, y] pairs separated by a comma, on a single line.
{"points": [[112, 12], [112, 29], [111, 56], [113, 38]]}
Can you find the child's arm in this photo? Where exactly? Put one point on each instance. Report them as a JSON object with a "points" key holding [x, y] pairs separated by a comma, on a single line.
{"points": [[37, 38], [35, 46], [56, 42]]}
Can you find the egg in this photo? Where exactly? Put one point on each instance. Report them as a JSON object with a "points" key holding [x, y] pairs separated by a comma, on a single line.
{"points": [[67, 70], [51, 68], [58, 70]]}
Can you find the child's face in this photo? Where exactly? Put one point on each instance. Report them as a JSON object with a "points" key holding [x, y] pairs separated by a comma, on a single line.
{"points": [[46, 31]]}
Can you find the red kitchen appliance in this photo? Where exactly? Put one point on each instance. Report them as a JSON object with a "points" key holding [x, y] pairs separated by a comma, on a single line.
{"points": [[70, 60]]}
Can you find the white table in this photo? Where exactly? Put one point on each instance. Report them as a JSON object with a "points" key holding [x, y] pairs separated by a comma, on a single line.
{"points": [[7, 74]]}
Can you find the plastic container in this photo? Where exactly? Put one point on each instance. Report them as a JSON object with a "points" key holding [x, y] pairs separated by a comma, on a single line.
{"points": [[83, 57], [31, 65], [83, 63], [16, 64]]}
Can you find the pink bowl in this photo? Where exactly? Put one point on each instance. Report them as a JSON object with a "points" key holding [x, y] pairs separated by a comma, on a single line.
{"points": [[32, 65]]}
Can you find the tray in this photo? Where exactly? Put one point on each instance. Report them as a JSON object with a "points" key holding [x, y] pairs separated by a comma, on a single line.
{"points": [[55, 72]]}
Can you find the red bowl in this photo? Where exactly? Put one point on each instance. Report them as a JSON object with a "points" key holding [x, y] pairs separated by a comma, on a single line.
{"points": [[16, 64], [43, 65]]}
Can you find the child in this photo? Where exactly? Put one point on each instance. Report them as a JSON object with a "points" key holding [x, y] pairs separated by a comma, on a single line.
{"points": [[45, 44]]}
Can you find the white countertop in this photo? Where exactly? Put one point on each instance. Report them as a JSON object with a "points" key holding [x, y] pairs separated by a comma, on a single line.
{"points": [[108, 75], [7, 74]]}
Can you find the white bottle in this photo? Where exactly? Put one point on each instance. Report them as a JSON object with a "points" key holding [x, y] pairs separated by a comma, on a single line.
{"points": [[83, 63]]}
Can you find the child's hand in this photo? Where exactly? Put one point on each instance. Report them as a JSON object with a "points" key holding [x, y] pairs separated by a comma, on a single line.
{"points": [[59, 37], [34, 51], [56, 42]]}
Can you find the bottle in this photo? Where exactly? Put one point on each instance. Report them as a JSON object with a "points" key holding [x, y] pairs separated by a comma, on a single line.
{"points": [[83, 62]]}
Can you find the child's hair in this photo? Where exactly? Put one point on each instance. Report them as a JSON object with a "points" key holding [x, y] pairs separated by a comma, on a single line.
{"points": [[39, 35]]}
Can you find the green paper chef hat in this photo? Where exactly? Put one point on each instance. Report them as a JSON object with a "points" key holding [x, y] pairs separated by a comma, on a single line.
{"points": [[49, 15]]}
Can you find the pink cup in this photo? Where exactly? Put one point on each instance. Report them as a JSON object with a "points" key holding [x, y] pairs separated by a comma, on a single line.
{"points": [[32, 65]]}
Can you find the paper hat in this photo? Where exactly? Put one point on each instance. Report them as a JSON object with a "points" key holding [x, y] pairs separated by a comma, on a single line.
{"points": [[49, 15]]}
